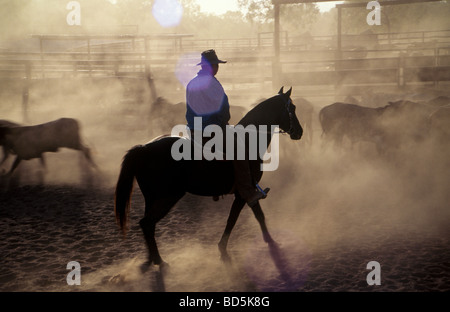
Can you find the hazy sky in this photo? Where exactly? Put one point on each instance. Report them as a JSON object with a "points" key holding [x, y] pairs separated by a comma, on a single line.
{"points": [[221, 6]]}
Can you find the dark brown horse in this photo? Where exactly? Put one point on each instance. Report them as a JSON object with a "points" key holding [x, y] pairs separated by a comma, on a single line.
{"points": [[164, 181]]}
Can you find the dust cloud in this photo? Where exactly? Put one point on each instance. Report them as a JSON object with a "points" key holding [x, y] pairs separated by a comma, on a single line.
{"points": [[327, 202], [107, 127]]}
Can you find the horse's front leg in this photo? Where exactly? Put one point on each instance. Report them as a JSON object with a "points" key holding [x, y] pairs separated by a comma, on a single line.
{"points": [[5, 155], [257, 211], [236, 209]]}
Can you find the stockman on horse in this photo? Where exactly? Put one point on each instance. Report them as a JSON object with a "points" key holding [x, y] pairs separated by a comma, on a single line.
{"points": [[206, 98], [164, 180]]}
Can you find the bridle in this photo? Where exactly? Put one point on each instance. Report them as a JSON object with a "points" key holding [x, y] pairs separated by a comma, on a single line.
{"points": [[288, 104]]}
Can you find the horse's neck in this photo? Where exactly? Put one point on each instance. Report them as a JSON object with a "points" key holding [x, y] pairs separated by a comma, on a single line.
{"points": [[263, 119], [265, 113], [268, 133]]}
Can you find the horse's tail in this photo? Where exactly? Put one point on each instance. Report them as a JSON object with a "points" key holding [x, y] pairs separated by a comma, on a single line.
{"points": [[124, 188]]}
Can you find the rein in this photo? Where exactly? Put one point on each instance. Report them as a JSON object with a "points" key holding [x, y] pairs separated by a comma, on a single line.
{"points": [[288, 103]]}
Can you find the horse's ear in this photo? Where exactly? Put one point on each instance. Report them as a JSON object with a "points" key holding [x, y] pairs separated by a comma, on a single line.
{"points": [[288, 93], [281, 90]]}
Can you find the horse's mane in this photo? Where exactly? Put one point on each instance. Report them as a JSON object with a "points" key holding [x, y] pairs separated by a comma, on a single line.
{"points": [[261, 108]]}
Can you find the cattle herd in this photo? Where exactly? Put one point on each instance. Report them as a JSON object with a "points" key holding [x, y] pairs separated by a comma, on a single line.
{"points": [[387, 125]]}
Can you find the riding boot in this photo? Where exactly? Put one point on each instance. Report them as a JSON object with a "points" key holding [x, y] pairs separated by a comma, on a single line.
{"points": [[244, 183]]}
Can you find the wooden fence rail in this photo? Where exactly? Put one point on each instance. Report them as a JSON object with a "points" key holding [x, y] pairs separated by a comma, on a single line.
{"points": [[251, 66]]}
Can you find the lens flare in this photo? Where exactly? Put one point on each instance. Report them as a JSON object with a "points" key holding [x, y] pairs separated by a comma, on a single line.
{"points": [[186, 68], [168, 13]]}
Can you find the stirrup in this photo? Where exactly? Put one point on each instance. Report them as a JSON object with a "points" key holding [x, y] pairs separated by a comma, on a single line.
{"points": [[266, 190], [261, 194]]}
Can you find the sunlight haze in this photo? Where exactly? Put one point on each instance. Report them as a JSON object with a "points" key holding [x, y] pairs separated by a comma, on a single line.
{"points": [[219, 7]]}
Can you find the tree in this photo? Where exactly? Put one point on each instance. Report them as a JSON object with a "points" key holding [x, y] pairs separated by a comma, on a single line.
{"points": [[294, 17], [399, 18]]}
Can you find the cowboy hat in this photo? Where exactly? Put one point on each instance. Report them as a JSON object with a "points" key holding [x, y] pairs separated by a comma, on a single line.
{"points": [[209, 57]]}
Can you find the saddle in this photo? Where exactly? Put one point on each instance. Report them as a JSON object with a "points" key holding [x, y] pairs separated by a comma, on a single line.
{"points": [[195, 145], [222, 158]]}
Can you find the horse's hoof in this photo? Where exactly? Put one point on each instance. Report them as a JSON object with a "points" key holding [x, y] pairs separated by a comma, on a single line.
{"points": [[225, 258], [268, 239], [273, 244], [145, 266]]}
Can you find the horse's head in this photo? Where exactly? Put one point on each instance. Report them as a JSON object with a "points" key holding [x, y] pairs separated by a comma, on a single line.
{"points": [[289, 122]]}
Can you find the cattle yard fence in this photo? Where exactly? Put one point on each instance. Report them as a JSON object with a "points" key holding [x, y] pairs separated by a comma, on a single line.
{"points": [[312, 65]]}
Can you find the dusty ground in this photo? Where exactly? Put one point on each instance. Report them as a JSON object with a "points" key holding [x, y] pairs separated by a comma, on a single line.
{"points": [[327, 231], [331, 211]]}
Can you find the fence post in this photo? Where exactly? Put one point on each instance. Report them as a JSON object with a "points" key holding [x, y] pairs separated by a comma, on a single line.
{"points": [[338, 56], [401, 71], [436, 66], [89, 55], [276, 65], [150, 82], [41, 49], [26, 91]]}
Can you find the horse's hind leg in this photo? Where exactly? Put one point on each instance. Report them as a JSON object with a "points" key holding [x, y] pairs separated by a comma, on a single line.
{"points": [[155, 211], [148, 227], [236, 209], [257, 211]]}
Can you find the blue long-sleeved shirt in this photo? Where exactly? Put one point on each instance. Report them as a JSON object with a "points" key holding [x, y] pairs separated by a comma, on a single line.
{"points": [[206, 98]]}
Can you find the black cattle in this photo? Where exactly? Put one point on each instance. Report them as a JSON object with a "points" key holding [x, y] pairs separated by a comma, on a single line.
{"points": [[405, 122], [355, 122]]}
